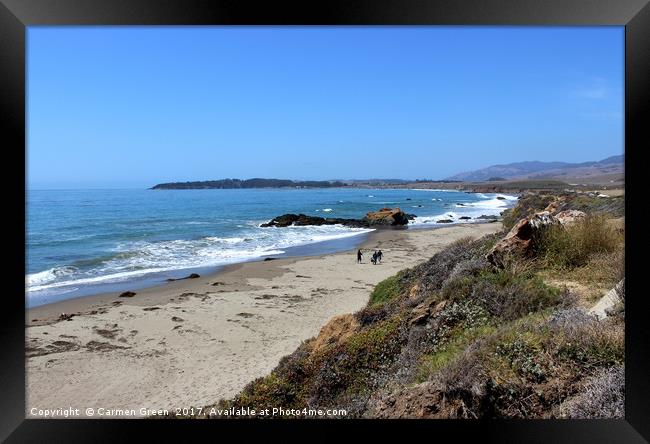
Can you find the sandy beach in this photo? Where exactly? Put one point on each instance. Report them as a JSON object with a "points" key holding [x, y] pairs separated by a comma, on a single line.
{"points": [[191, 342]]}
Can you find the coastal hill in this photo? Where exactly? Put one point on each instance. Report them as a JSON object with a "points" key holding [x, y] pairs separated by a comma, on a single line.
{"points": [[248, 183], [544, 170], [286, 183]]}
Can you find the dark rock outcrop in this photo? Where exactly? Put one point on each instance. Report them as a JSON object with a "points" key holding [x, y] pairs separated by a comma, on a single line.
{"points": [[302, 219], [127, 294], [444, 221], [383, 217]]}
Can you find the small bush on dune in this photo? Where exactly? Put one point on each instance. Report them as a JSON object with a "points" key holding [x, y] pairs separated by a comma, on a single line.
{"points": [[505, 295], [373, 313], [600, 269], [510, 296], [430, 363], [470, 267], [431, 274], [385, 291], [356, 366], [593, 345], [572, 246], [603, 396]]}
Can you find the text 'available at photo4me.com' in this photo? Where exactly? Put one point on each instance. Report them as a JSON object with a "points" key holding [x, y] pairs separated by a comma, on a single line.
{"points": [[215, 412]]}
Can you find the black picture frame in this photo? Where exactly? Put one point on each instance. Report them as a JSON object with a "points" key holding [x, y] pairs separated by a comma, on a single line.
{"points": [[16, 15]]}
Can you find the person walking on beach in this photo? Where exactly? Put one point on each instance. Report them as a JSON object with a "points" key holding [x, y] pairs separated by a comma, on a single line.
{"points": [[374, 258], [379, 255], [359, 255]]}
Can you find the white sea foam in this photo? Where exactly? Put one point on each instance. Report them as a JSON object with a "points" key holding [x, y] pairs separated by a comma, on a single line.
{"points": [[434, 189], [490, 206], [47, 276], [135, 259], [327, 210]]}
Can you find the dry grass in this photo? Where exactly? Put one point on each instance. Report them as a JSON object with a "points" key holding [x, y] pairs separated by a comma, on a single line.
{"points": [[570, 247], [602, 396]]}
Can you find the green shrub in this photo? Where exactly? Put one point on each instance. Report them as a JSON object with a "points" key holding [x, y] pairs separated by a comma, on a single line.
{"points": [[593, 344], [385, 291], [525, 357], [357, 365], [504, 294], [430, 363]]}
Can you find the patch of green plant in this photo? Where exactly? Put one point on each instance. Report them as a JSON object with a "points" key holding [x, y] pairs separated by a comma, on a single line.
{"points": [[267, 392], [599, 346], [459, 288], [370, 342], [385, 290], [504, 294], [460, 338], [525, 357], [356, 365]]}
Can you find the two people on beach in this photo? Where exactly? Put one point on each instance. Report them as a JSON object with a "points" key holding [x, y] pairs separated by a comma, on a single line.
{"points": [[376, 257]]}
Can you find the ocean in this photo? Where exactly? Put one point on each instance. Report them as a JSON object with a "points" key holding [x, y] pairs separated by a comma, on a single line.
{"points": [[83, 242]]}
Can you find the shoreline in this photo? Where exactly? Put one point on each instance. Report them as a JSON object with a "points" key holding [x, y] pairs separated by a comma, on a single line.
{"points": [[49, 313], [44, 287], [189, 343]]}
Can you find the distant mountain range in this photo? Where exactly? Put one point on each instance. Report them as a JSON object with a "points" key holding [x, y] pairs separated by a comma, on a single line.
{"points": [[612, 167], [543, 170]]}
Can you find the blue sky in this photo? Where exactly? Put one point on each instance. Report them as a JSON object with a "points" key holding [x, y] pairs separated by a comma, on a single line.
{"points": [[136, 106]]}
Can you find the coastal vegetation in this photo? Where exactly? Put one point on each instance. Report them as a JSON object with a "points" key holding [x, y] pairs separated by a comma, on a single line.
{"points": [[460, 337]]}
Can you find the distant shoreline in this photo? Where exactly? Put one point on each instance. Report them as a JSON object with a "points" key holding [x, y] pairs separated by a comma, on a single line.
{"points": [[508, 186]]}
